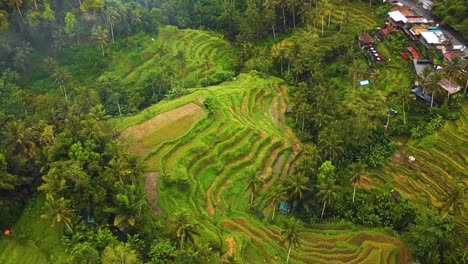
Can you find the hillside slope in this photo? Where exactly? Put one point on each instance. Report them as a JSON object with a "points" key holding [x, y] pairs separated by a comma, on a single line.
{"points": [[203, 170], [440, 162]]}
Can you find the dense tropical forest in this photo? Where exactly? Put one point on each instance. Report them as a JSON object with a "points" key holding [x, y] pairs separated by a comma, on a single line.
{"points": [[234, 131], [453, 13]]}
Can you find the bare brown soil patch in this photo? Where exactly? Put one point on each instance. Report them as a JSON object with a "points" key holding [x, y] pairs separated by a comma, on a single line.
{"points": [[139, 131], [398, 158], [231, 244], [244, 106], [278, 162], [151, 182], [366, 182], [220, 191]]}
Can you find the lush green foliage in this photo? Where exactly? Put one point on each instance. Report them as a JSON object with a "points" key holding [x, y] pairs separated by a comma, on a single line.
{"points": [[213, 162], [453, 13]]}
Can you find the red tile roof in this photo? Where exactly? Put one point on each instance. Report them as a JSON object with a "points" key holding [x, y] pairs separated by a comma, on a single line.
{"points": [[413, 52], [404, 55], [384, 31]]}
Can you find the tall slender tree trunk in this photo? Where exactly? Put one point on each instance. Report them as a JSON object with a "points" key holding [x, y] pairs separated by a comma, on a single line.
{"points": [[274, 210], [289, 253], [251, 198], [21, 15], [102, 48], [294, 17], [404, 112], [273, 29], [284, 18], [281, 63], [64, 91], [35, 4], [432, 99], [112, 31], [322, 26], [323, 209], [329, 19], [354, 192], [341, 20], [118, 106]]}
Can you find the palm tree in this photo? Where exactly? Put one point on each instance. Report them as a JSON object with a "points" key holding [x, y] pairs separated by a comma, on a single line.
{"points": [[304, 111], [59, 210], [424, 76], [100, 35], [279, 51], [310, 158], [453, 200], [19, 140], [17, 4], [254, 184], [355, 171], [21, 55], [433, 84], [61, 77], [120, 254], [292, 4], [330, 144], [455, 65], [127, 206], [7, 180], [296, 185], [290, 234], [184, 229], [274, 195], [327, 193], [113, 14]]}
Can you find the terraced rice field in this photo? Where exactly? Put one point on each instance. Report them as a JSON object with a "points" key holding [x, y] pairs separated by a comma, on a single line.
{"points": [[189, 57], [203, 170], [441, 159], [355, 18]]}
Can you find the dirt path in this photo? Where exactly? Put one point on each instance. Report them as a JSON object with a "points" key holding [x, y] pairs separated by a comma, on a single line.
{"points": [[220, 192], [208, 194], [151, 181]]}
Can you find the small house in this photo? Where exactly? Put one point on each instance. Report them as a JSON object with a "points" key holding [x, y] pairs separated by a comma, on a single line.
{"points": [[420, 64], [284, 207], [396, 20], [382, 33], [415, 32], [450, 87], [419, 92], [434, 39], [404, 10], [365, 40]]}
